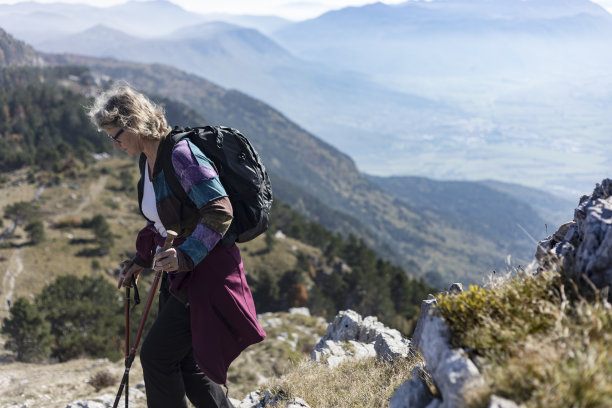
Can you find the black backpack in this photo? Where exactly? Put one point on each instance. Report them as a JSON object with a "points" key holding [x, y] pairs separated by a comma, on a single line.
{"points": [[241, 173]]}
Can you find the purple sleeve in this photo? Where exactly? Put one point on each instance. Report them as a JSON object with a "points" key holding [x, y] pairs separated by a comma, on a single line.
{"points": [[200, 181]]}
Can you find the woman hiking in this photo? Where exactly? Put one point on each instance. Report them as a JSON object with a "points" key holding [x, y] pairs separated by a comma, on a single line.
{"points": [[206, 310]]}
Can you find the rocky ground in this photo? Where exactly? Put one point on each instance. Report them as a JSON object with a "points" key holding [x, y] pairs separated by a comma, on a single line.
{"points": [[294, 339], [291, 336], [57, 385]]}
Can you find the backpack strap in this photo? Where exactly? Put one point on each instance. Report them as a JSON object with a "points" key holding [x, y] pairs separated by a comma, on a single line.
{"points": [[165, 154], [141, 163]]}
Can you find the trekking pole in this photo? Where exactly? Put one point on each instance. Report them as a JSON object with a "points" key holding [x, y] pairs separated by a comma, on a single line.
{"points": [[132, 354], [127, 339]]}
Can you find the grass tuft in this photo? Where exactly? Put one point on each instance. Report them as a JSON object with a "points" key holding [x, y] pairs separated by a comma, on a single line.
{"points": [[367, 383], [102, 379]]}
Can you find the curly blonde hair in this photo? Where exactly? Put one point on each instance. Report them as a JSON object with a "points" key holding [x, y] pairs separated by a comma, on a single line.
{"points": [[123, 107]]}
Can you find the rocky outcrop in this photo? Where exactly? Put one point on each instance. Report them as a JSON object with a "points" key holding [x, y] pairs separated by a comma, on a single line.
{"points": [[585, 244], [350, 336], [453, 373]]}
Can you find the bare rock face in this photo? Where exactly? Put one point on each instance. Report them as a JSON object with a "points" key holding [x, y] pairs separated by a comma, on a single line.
{"points": [[585, 244], [414, 393], [453, 373], [350, 336]]}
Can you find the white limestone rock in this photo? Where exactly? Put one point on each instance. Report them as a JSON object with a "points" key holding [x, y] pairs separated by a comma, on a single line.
{"points": [[390, 346], [452, 371], [350, 336]]}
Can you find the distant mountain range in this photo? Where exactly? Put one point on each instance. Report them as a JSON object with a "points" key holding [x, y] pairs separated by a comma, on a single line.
{"points": [[321, 181], [342, 107], [418, 37], [34, 22], [461, 89]]}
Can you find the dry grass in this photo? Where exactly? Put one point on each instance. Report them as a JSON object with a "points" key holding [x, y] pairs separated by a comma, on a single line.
{"points": [[541, 340], [368, 383], [102, 379], [283, 258], [274, 356]]}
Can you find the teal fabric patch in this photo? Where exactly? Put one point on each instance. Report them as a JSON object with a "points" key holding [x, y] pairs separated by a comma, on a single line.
{"points": [[205, 191], [194, 249], [161, 188]]}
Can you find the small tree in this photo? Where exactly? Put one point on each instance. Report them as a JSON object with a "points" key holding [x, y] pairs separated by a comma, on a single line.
{"points": [[103, 235], [36, 231], [85, 316], [20, 212], [270, 240], [29, 335], [266, 293]]}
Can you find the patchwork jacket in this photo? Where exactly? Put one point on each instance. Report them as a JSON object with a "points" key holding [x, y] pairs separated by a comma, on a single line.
{"points": [[211, 277]]}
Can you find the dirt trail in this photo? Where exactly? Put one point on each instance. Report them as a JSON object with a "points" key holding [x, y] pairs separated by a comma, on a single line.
{"points": [[59, 384], [94, 189], [8, 282]]}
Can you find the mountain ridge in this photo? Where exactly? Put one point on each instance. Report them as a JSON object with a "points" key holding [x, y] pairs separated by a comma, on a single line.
{"points": [[308, 162], [316, 167], [14, 52]]}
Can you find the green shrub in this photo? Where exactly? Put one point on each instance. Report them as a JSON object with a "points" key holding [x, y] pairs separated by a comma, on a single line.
{"points": [[490, 319], [85, 316], [28, 333], [541, 340], [103, 235], [36, 231], [21, 212]]}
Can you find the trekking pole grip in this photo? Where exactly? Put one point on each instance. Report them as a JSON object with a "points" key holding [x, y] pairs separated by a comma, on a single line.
{"points": [[170, 236]]}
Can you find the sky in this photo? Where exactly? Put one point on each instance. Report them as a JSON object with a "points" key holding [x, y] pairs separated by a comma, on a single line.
{"points": [[293, 10]]}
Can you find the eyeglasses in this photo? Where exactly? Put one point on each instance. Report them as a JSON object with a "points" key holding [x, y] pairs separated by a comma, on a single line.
{"points": [[116, 137]]}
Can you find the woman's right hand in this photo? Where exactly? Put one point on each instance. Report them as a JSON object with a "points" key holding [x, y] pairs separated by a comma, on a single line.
{"points": [[128, 271]]}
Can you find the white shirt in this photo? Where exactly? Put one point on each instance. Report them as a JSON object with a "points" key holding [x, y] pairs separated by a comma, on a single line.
{"points": [[149, 207]]}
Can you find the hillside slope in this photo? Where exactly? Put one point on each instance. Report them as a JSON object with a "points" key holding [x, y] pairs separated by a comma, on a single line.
{"points": [[14, 52], [416, 234]]}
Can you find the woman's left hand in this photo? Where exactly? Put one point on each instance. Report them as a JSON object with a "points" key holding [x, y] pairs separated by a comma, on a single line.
{"points": [[166, 261]]}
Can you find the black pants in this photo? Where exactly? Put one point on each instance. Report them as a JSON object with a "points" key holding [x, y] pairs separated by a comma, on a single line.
{"points": [[170, 371]]}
